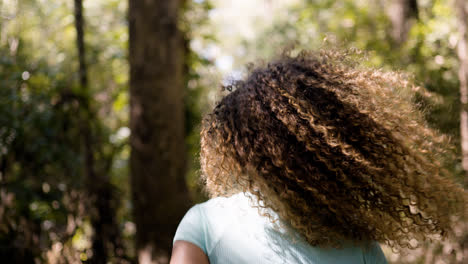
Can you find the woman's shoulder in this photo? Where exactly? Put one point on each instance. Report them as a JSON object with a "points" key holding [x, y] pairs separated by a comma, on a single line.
{"points": [[223, 202], [214, 225], [204, 223]]}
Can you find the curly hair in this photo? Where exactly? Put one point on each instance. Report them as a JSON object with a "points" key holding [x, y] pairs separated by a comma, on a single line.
{"points": [[339, 151]]}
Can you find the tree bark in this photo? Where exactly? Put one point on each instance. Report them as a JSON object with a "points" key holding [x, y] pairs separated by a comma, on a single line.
{"points": [[79, 26], [462, 51], [401, 13], [157, 162]]}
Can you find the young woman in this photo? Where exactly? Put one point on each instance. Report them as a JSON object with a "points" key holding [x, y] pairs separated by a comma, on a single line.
{"points": [[316, 159]]}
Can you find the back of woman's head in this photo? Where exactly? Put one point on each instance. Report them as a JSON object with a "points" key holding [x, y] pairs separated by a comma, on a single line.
{"points": [[337, 150]]}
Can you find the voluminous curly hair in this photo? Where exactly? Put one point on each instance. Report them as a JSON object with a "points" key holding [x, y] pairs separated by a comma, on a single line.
{"points": [[339, 151]]}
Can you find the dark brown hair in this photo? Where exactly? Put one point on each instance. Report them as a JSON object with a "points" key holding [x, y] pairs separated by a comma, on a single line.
{"points": [[338, 150]]}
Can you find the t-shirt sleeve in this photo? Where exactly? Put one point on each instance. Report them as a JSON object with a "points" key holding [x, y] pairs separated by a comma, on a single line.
{"points": [[374, 255], [192, 228]]}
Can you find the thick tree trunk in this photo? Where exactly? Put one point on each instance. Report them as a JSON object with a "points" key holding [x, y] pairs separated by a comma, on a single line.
{"points": [[401, 13], [462, 50], [157, 162]]}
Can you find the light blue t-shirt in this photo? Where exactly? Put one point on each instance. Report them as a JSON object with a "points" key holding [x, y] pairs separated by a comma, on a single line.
{"points": [[230, 230]]}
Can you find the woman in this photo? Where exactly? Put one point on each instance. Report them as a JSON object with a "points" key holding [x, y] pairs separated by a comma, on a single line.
{"points": [[316, 159]]}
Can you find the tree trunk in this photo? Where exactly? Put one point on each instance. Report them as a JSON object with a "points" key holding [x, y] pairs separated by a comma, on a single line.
{"points": [[79, 25], [401, 13], [157, 162], [462, 51], [98, 188]]}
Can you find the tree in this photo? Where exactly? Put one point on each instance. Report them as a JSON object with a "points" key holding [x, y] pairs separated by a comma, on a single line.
{"points": [[462, 51], [157, 161], [99, 251], [400, 13], [101, 209]]}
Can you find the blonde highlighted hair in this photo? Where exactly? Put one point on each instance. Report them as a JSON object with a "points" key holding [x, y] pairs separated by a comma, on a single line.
{"points": [[338, 150]]}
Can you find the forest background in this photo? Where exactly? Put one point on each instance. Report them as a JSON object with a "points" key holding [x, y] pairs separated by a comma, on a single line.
{"points": [[100, 102]]}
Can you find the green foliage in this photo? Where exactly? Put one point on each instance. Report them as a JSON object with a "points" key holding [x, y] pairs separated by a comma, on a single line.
{"points": [[44, 211], [39, 158], [194, 18], [43, 205]]}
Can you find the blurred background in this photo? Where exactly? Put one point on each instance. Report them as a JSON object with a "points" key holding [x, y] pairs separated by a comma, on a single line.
{"points": [[101, 100]]}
